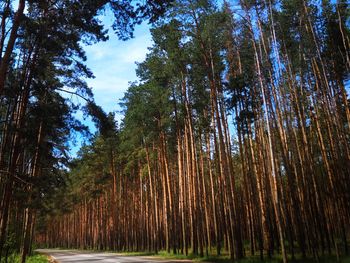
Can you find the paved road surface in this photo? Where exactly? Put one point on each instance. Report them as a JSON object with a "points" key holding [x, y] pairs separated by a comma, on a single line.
{"points": [[75, 256]]}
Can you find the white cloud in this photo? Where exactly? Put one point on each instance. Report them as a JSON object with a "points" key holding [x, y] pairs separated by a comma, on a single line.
{"points": [[113, 64], [136, 50], [95, 52], [117, 55], [112, 84]]}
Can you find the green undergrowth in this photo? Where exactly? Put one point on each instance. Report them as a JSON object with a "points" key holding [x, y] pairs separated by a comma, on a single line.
{"points": [[15, 258]]}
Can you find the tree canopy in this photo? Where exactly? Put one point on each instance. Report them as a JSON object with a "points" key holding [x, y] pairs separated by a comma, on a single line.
{"points": [[235, 139]]}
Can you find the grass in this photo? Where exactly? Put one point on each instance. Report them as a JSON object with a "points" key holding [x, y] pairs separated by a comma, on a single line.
{"points": [[36, 258]]}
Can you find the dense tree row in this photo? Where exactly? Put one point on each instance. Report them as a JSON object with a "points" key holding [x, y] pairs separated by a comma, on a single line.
{"points": [[41, 59], [236, 137]]}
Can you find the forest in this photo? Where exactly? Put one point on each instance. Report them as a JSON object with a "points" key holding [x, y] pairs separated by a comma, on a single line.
{"points": [[235, 140]]}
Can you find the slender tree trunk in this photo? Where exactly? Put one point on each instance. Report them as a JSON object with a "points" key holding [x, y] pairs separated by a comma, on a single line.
{"points": [[5, 61]]}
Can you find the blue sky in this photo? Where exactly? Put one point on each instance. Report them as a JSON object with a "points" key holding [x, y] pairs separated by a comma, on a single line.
{"points": [[113, 65]]}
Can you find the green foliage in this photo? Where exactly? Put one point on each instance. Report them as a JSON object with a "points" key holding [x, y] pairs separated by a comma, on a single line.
{"points": [[14, 258]]}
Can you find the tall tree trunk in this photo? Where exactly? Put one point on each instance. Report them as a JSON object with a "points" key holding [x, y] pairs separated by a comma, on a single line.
{"points": [[5, 61]]}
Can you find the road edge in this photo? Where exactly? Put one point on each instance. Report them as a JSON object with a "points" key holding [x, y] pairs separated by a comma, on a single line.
{"points": [[50, 258]]}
